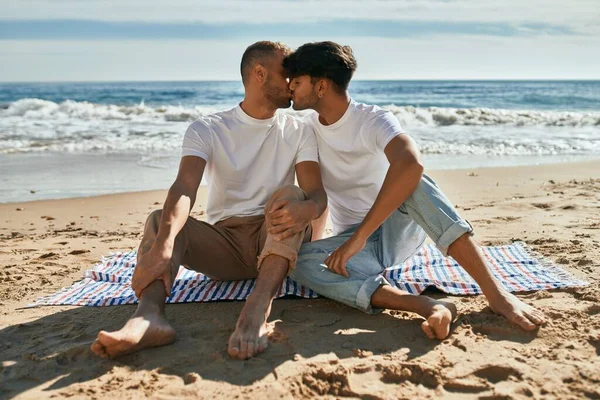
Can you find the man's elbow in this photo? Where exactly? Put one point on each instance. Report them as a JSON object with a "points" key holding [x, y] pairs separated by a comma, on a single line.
{"points": [[319, 197], [418, 167], [412, 164], [179, 189]]}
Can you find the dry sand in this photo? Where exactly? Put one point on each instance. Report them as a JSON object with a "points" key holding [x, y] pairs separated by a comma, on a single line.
{"points": [[318, 348]]}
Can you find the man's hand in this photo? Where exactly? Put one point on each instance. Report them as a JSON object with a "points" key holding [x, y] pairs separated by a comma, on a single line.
{"points": [[336, 262], [288, 217], [154, 264]]}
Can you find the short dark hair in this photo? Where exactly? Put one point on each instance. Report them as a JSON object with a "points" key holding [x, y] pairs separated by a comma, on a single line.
{"points": [[323, 60], [258, 53]]}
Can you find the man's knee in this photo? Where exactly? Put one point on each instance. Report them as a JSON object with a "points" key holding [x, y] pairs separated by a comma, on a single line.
{"points": [[287, 192], [154, 217]]}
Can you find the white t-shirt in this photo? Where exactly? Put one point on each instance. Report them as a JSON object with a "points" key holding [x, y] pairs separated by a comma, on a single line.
{"points": [[247, 158], [352, 160]]}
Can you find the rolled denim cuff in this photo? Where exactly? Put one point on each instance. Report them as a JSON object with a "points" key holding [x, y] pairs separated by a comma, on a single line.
{"points": [[363, 297], [455, 231]]}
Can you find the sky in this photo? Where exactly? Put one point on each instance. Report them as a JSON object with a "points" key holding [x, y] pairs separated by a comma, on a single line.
{"points": [[124, 40]]}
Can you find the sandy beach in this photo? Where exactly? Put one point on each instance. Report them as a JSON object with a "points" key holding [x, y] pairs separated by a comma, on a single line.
{"points": [[317, 347]]}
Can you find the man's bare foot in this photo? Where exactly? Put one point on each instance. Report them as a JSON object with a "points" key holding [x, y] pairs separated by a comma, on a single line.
{"points": [[517, 312], [250, 335], [437, 323], [139, 332]]}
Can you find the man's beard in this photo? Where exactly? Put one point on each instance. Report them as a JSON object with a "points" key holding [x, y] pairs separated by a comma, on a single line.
{"points": [[279, 98], [308, 103]]}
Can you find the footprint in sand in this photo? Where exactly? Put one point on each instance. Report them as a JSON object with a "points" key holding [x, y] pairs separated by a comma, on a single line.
{"points": [[48, 255], [467, 385], [324, 381], [77, 252], [508, 219], [542, 206], [411, 372], [497, 373]]}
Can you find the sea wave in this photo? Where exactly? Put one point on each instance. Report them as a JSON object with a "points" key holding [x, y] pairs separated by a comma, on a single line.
{"points": [[44, 109], [35, 125], [432, 116], [437, 116]]}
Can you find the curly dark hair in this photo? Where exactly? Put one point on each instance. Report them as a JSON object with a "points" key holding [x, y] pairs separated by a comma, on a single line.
{"points": [[323, 60]]}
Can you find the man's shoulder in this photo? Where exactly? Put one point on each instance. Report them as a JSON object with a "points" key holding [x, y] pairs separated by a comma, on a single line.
{"points": [[373, 119], [370, 112], [209, 122]]}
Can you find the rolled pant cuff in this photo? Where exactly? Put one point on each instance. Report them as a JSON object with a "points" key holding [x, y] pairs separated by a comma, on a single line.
{"points": [[279, 249], [455, 231], [363, 297]]}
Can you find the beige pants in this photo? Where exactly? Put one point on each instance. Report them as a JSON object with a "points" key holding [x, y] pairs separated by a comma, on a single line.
{"points": [[232, 249]]}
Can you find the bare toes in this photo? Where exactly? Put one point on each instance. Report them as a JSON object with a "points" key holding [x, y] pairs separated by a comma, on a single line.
{"points": [[539, 315], [233, 350], [243, 354], [263, 343], [438, 326], [98, 349], [252, 346], [523, 322], [535, 317], [427, 329]]}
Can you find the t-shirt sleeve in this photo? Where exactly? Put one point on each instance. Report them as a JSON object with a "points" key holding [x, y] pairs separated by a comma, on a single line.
{"points": [[385, 127], [308, 150], [197, 140]]}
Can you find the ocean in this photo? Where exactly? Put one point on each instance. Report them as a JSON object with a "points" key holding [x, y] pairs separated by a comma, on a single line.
{"points": [[61, 140]]}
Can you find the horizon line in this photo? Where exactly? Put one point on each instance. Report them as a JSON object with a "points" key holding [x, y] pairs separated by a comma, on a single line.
{"points": [[354, 80]]}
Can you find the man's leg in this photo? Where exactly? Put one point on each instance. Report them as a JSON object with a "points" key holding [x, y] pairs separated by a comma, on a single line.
{"points": [[250, 335], [434, 212], [438, 314], [365, 288], [203, 247], [468, 254], [274, 263], [148, 327]]}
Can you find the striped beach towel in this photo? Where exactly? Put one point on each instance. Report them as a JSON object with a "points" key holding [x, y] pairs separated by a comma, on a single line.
{"points": [[516, 266]]}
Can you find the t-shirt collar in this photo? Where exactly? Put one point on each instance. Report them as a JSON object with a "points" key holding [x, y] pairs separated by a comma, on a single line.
{"points": [[253, 121], [340, 121]]}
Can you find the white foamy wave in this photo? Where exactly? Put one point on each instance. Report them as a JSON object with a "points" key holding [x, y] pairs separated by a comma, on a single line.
{"points": [[503, 148], [436, 116], [34, 125], [43, 109]]}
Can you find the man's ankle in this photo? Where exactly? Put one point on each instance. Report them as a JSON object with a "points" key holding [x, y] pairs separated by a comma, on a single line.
{"points": [[148, 309]]}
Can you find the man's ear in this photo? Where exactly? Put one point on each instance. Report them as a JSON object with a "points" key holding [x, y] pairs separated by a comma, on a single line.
{"points": [[260, 73], [322, 87]]}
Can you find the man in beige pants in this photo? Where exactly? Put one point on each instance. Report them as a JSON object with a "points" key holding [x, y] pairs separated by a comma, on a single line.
{"points": [[250, 154]]}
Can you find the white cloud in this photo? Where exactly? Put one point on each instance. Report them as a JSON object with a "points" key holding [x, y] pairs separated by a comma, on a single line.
{"points": [[580, 14], [441, 57]]}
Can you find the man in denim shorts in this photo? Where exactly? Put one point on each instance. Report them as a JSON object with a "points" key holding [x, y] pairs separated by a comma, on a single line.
{"points": [[251, 154], [382, 205]]}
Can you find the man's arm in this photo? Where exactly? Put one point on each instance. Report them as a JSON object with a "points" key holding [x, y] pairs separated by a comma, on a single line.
{"points": [[154, 264], [403, 177], [289, 218], [180, 200], [401, 180]]}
